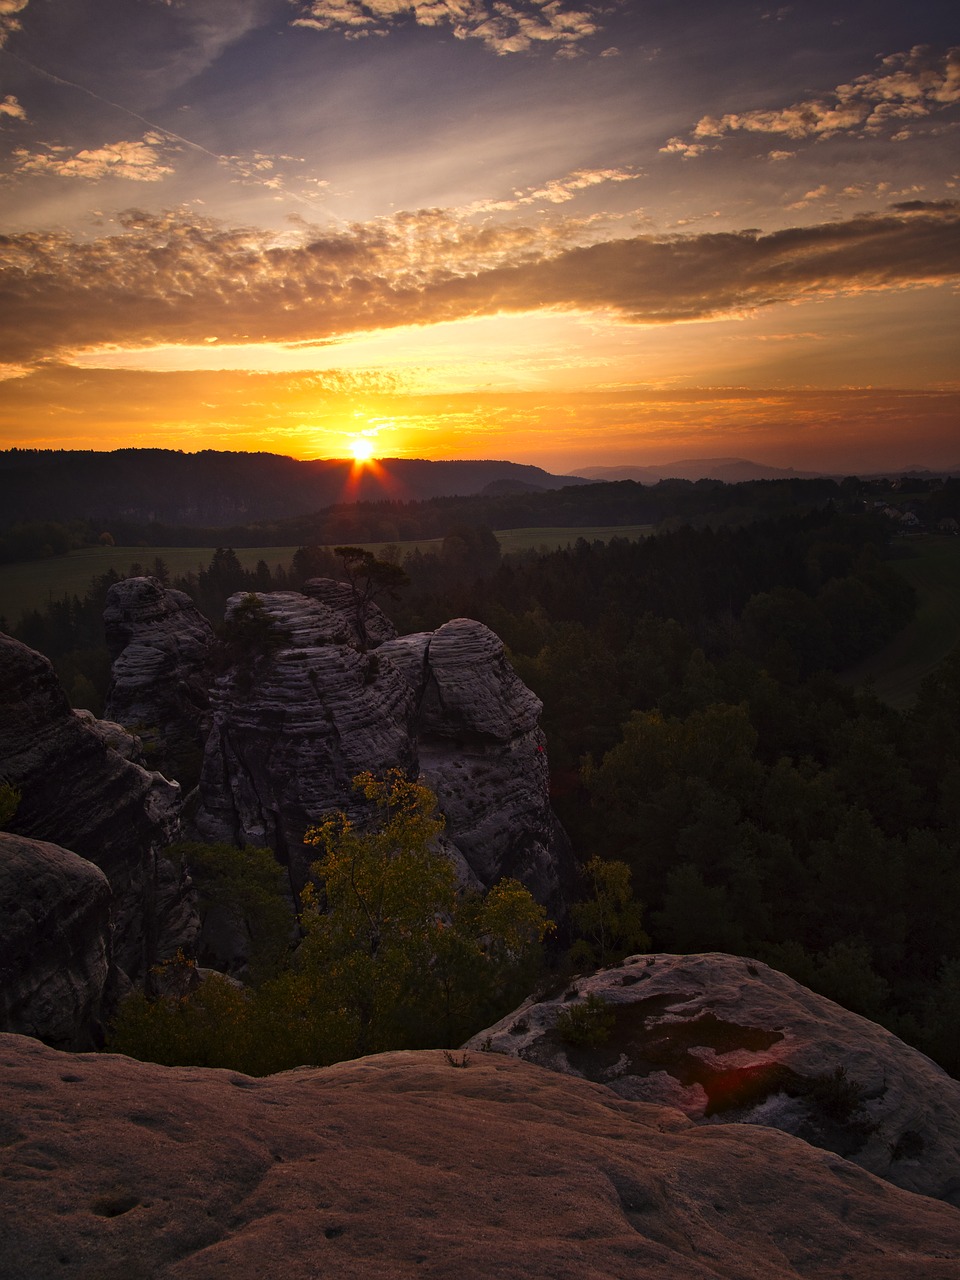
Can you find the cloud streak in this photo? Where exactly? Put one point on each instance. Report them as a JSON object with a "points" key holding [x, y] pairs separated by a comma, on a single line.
{"points": [[173, 279]]}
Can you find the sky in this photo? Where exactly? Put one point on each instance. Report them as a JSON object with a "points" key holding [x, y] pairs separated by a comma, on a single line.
{"points": [[563, 232]]}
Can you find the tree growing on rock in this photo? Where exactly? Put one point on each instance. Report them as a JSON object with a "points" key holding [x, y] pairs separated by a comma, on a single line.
{"points": [[369, 580]]}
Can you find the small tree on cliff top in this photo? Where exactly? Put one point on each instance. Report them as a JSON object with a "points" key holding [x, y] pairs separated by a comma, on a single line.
{"points": [[369, 579]]}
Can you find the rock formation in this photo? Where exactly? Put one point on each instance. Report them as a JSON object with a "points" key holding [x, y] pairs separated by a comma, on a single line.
{"points": [[294, 721], [421, 1164], [81, 794], [732, 1041], [160, 644], [54, 942]]}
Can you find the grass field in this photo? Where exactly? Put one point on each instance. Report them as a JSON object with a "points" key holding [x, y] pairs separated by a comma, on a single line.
{"points": [[31, 586], [932, 566]]}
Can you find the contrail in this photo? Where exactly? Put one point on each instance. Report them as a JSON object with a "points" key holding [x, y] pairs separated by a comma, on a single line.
{"points": [[227, 161], [107, 102]]}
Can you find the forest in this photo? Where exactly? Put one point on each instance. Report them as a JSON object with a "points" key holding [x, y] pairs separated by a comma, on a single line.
{"points": [[697, 731]]}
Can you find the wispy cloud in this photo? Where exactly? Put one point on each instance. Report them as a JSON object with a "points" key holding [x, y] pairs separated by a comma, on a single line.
{"points": [[505, 26], [138, 161], [9, 21], [907, 87], [556, 190], [174, 279]]}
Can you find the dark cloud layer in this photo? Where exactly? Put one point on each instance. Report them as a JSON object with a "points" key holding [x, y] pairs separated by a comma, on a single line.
{"points": [[167, 279]]}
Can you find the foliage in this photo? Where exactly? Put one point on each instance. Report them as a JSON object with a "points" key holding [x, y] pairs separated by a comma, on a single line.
{"points": [[392, 958], [587, 1025], [609, 920], [247, 885], [10, 797]]}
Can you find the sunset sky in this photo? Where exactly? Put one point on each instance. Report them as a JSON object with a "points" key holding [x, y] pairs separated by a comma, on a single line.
{"points": [[556, 231]]}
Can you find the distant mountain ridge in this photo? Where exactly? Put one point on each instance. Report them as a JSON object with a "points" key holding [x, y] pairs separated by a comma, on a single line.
{"points": [[222, 489], [729, 470]]}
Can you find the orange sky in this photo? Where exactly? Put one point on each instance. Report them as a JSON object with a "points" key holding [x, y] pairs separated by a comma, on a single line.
{"points": [[569, 234]]}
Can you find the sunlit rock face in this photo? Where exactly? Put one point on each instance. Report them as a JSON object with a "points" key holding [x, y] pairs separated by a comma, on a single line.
{"points": [[729, 1040], [160, 644], [421, 1164], [294, 723], [54, 942], [79, 793]]}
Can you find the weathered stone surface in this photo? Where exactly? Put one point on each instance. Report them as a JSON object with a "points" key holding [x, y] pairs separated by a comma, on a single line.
{"points": [[481, 750], [403, 1165], [160, 644], [115, 736], [54, 942], [287, 739], [78, 793], [294, 724], [729, 1040], [338, 597]]}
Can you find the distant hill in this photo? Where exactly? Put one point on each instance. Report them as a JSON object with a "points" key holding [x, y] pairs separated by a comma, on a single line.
{"points": [[222, 489], [729, 470]]}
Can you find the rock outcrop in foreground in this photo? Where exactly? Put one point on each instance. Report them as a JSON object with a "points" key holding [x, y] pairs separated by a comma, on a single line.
{"points": [[732, 1041], [294, 720], [81, 794], [409, 1165]]}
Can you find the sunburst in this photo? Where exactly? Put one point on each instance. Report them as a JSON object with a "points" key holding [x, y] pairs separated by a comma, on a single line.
{"points": [[362, 449]]}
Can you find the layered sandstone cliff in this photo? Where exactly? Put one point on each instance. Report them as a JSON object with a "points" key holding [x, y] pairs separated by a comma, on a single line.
{"points": [[79, 793], [160, 644], [295, 720]]}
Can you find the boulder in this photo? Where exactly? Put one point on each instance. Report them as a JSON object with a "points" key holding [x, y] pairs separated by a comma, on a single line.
{"points": [[54, 942], [161, 646], [731, 1041], [79, 793], [421, 1164]]}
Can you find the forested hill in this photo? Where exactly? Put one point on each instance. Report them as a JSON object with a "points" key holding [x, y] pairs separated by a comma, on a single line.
{"points": [[221, 489]]}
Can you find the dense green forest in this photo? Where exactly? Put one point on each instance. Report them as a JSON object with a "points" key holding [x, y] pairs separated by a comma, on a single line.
{"points": [[697, 731]]}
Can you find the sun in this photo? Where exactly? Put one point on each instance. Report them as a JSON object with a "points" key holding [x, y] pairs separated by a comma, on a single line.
{"points": [[362, 447]]}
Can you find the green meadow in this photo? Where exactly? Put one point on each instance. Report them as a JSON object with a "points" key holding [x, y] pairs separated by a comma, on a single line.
{"points": [[33, 585]]}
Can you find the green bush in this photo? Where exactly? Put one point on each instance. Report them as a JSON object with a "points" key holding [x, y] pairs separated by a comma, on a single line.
{"points": [[586, 1025]]}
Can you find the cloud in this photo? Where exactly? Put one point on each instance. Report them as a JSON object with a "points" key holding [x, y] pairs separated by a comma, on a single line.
{"points": [[555, 190], [687, 150], [12, 108], [505, 26], [173, 279], [906, 87], [141, 161], [9, 22]]}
